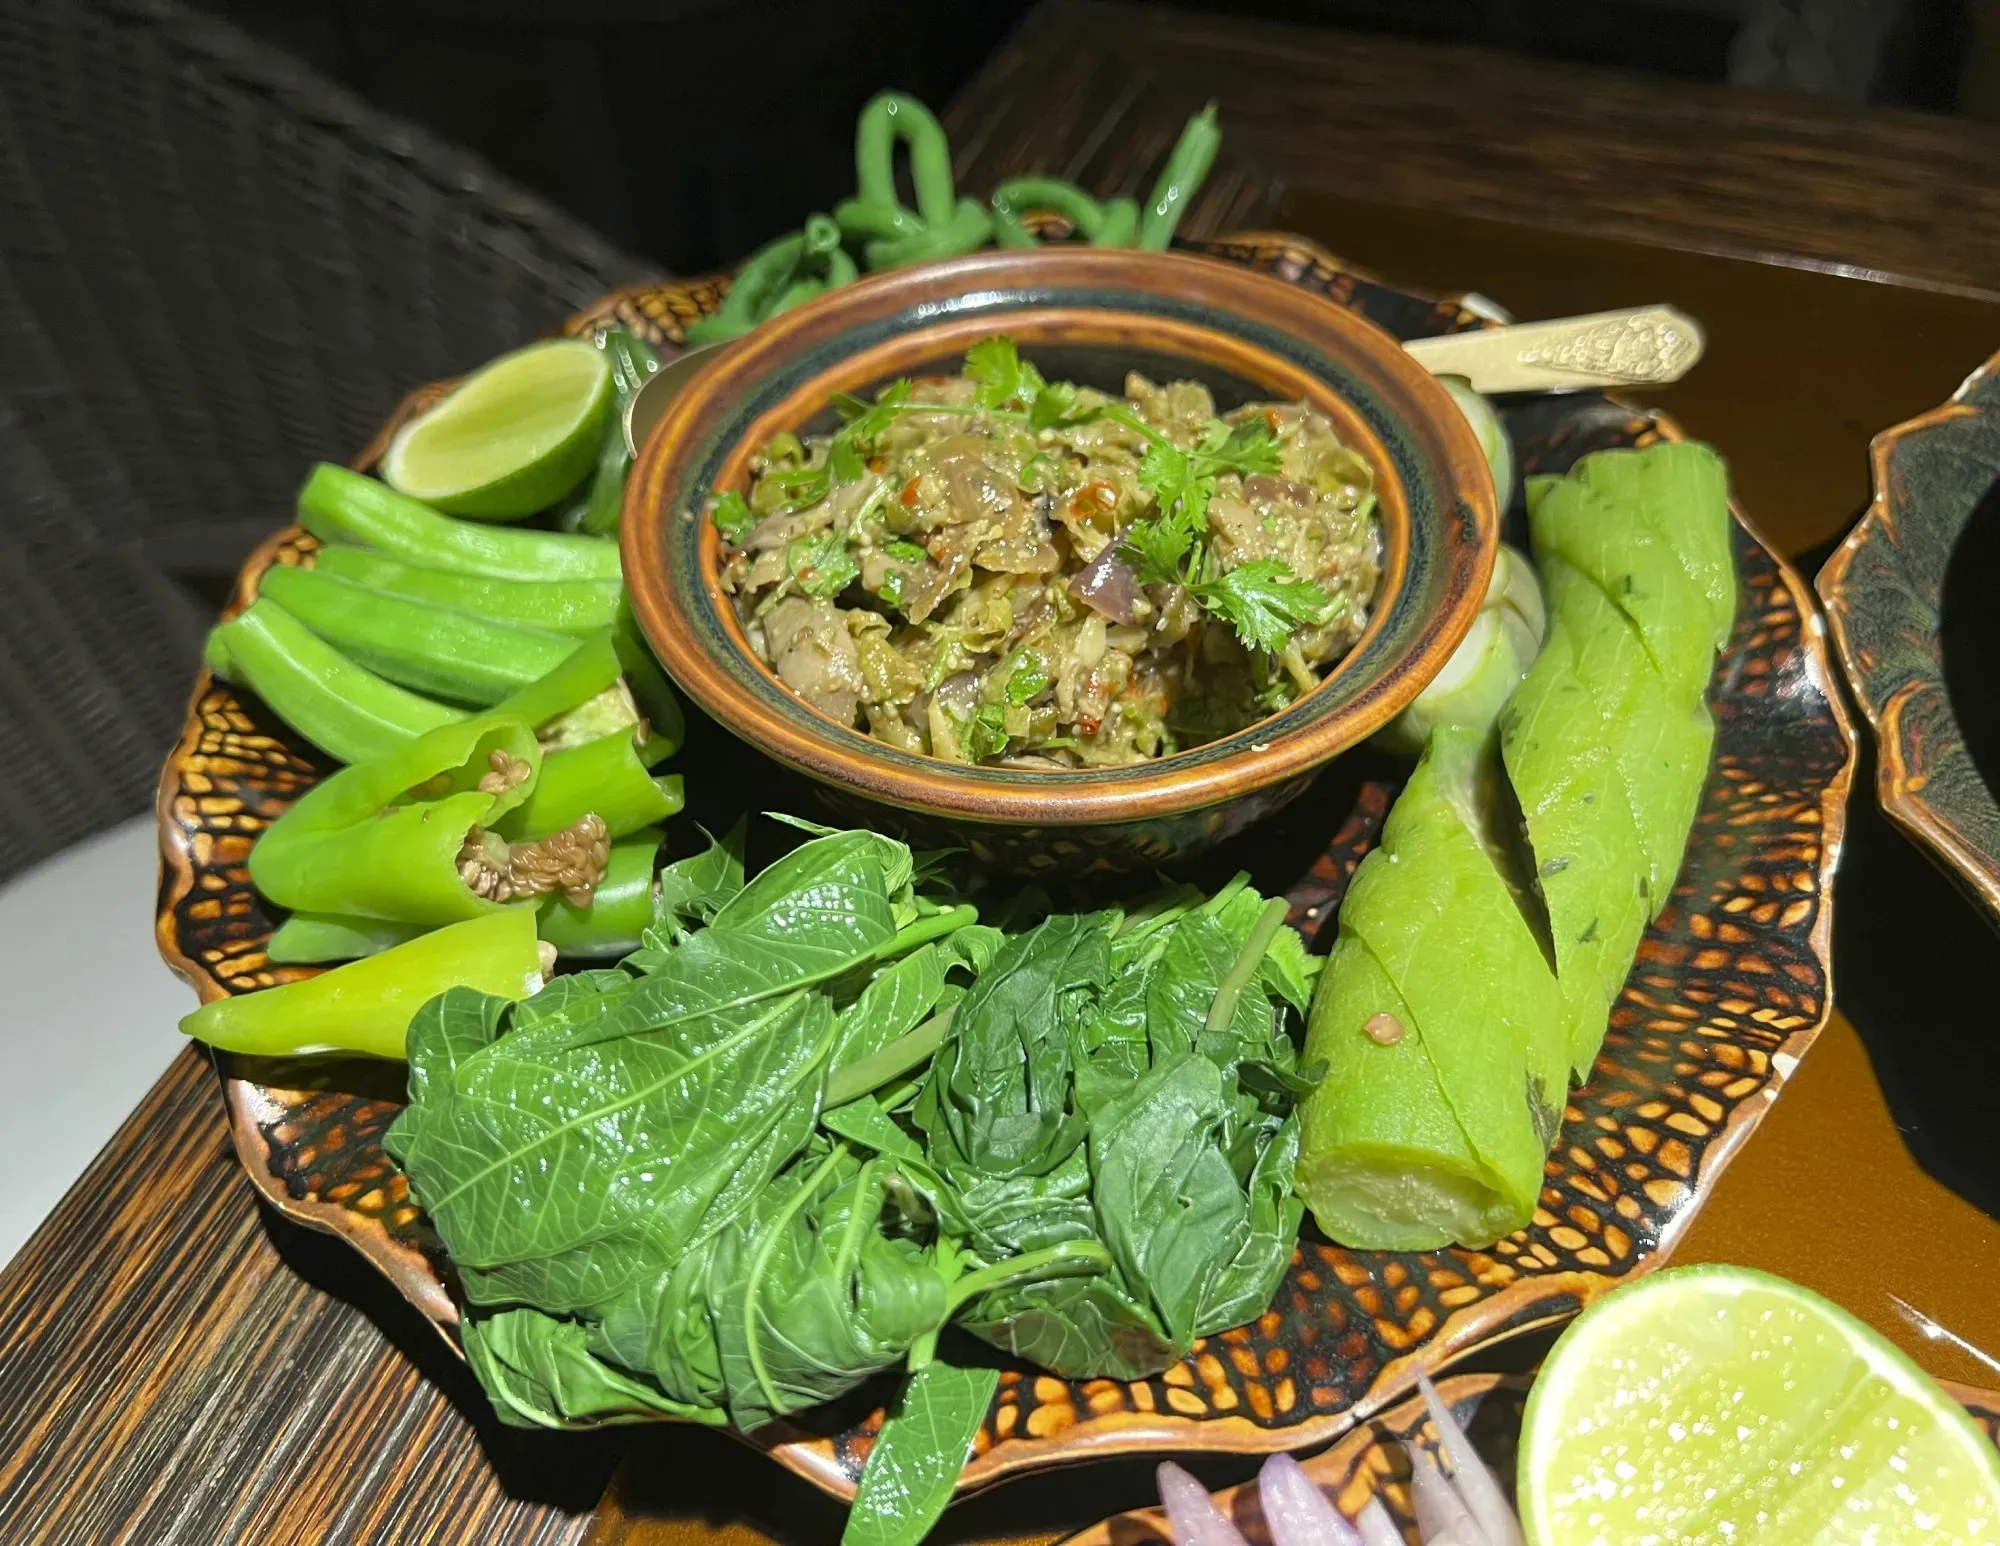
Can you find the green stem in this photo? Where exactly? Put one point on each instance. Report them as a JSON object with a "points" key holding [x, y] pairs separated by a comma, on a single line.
{"points": [[868, 1074], [753, 1343], [1069, 1259], [1248, 959], [921, 931]]}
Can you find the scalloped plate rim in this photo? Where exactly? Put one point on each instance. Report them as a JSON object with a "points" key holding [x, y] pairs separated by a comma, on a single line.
{"points": [[1505, 1314]]}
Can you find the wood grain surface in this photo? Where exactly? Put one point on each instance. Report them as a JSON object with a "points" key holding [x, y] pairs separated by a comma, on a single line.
{"points": [[1089, 89], [176, 1367]]}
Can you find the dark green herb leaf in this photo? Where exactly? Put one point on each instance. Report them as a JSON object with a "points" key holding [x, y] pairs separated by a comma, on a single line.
{"points": [[822, 566], [996, 366], [809, 1296], [540, 1372], [1052, 404], [1027, 680], [986, 732], [916, 1460], [732, 515], [1264, 601], [905, 552]]}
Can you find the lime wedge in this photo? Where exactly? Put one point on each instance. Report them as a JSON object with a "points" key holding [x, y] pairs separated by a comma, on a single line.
{"points": [[513, 439], [1717, 1404]]}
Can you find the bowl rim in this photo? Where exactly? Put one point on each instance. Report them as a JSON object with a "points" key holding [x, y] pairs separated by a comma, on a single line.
{"points": [[845, 758], [1907, 785]]}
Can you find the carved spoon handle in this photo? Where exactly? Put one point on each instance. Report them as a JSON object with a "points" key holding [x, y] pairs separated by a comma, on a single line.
{"points": [[1642, 346]]}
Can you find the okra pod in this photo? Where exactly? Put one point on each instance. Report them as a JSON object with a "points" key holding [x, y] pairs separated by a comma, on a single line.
{"points": [[561, 606], [343, 708], [435, 650], [366, 1006], [337, 505]]}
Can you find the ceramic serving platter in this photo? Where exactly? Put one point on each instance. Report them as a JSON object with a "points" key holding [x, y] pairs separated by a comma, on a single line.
{"points": [[1937, 492], [1371, 1461], [1729, 991]]}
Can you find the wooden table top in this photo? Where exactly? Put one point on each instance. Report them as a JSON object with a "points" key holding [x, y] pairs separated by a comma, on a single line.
{"points": [[177, 1368]]}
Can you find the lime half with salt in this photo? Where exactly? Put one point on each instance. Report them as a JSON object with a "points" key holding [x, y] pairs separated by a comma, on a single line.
{"points": [[1718, 1404], [512, 439]]}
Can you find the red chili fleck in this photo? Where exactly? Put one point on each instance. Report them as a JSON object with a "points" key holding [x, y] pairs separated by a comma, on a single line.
{"points": [[910, 490], [1089, 726]]}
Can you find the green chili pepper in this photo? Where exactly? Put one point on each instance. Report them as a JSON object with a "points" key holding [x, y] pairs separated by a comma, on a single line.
{"points": [[344, 709], [309, 939], [435, 650], [585, 672], [620, 910], [608, 776], [892, 116], [1188, 163], [337, 505], [560, 606], [366, 1007], [381, 839], [648, 686]]}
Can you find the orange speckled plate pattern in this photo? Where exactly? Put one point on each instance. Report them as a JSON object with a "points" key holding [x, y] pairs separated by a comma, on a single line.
{"points": [[1730, 989]]}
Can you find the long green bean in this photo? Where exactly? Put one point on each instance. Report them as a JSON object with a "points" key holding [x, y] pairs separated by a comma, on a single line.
{"points": [[1187, 164]]}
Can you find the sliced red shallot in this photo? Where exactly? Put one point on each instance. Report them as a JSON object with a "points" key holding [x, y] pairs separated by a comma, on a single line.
{"points": [[1375, 1526], [1442, 1518], [1108, 585], [1191, 1512], [1296, 1512], [1477, 1487]]}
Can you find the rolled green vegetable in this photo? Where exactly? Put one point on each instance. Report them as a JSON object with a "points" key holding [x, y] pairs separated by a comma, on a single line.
{"points": [[589, 670], [579, 607], [366, 1006], [1471, 988], [344, 709], [382, 838], [337, 505], [607, 777], [435, 650], [311, 939], [1680, 490], [620, 910]]}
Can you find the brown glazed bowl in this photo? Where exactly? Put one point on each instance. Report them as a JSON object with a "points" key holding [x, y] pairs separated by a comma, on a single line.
{"points": [[1929, 535], [1087, 315]]}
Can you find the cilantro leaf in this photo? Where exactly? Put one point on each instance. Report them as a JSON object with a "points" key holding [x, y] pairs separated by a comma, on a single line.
{"points": [[1249, 447], [732, 516], [905, 552], [995, 365], [822, 566], [1157, 549], [1264, 601], [1051, 405], [799, 487], [873, 422], [846, 460]]}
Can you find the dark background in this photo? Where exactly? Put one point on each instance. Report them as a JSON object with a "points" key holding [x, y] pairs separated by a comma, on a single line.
{"points": [[689, 131]]}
